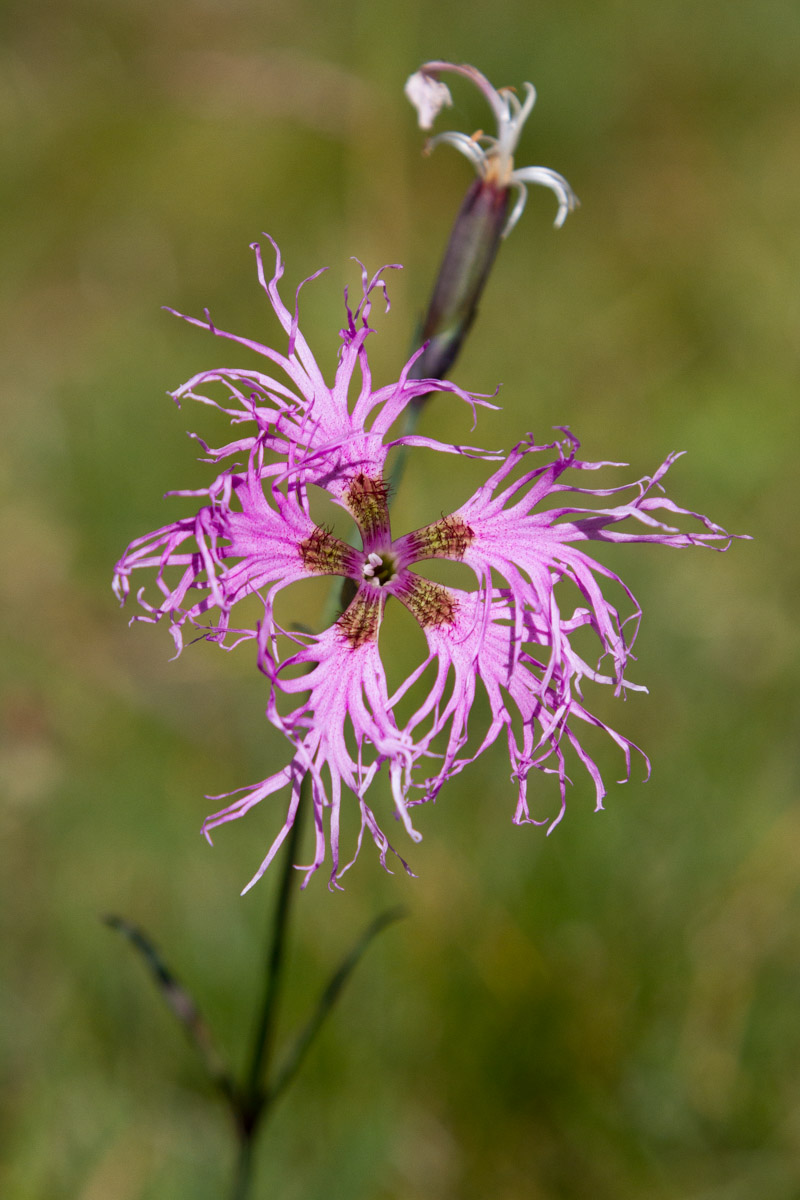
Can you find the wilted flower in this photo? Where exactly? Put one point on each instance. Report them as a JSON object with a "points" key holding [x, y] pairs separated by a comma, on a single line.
{"points": [[483, 219], [328, 693], [492, 157]]}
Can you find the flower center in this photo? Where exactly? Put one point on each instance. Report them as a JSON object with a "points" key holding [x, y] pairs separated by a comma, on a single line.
{"points": [[380, 568]]}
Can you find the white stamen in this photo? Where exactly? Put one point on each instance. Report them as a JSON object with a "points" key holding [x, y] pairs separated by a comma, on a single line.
{"points": [[374, 563]]}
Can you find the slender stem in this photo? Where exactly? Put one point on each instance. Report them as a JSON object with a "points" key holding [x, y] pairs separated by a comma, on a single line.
{"points": [[244, 1166], [264, 1030], [252, 1103], [465, 268]]}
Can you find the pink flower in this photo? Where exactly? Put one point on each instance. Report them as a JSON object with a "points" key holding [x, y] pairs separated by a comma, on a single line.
{"points": [[509, 638], [334, 434]]}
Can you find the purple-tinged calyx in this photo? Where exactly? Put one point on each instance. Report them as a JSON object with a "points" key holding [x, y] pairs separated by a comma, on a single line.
{"points": [[468, 259]]}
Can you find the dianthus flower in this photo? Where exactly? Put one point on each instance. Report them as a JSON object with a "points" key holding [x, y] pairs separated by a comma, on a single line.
{"points": [[525, 527], [492, 157]]}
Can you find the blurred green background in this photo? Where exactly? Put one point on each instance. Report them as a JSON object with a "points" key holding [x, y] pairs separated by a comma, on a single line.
{"points": [[609, 1012]]}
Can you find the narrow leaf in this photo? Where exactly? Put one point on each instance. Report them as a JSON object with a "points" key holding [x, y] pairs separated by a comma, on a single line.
{"points": [[328, 999], [180, 1002]]}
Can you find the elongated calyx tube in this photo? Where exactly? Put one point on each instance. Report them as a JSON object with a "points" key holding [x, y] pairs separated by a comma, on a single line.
{"points": [[467, 262]]}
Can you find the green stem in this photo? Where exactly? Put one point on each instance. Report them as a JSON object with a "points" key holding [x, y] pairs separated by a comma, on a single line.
{"points": [[465, 268], [253, 1101], [244, 1170]]}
